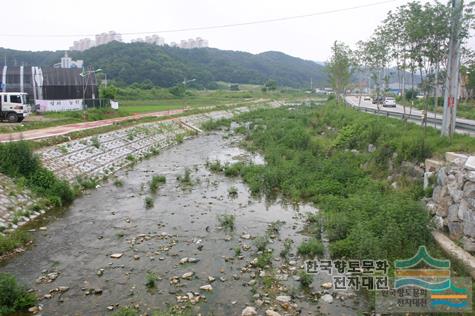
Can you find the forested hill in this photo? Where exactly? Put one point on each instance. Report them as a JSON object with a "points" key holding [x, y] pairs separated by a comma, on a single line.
{"points": [[166, 66]]}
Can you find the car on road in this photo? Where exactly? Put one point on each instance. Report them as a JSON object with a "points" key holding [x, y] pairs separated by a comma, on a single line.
{"points": [[366, 98], [378, 99], [389, 102]]}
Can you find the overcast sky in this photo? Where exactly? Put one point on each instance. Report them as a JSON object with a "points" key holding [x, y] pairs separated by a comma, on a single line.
{"points": [[308, 38]]}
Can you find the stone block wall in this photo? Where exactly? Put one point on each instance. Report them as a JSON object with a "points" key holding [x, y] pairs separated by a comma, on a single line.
{"points": [[453, 200]]}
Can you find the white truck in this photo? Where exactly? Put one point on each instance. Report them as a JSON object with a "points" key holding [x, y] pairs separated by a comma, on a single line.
{"points": [[13, 106]]}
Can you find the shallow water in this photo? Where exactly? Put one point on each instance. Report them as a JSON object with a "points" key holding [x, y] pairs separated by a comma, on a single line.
{"points": [[114, 219]]}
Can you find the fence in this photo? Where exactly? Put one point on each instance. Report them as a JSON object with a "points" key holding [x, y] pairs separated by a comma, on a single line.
{"points": [[69, 105]]}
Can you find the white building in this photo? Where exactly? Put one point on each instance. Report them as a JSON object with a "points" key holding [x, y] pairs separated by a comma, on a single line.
{"points": [[193, 43], [68, 62], [83, 44], [155, 39], [100, 39]]}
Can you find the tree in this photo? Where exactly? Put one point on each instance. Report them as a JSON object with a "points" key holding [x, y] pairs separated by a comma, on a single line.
{"points": [[340, 68], [108, 92], [271, 85], [178, 90]]}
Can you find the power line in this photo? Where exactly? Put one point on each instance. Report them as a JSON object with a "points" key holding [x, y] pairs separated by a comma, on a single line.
{"points": [[212, 27]]}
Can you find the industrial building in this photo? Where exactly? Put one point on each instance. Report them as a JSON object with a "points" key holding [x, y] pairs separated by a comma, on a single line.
{"points": [[49, 88]]}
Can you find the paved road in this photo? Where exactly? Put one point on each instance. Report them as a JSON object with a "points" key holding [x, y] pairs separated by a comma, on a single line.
{"points": [[353, 100], [66, 129]]}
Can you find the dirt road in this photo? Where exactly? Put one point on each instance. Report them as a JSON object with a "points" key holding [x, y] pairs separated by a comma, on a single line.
{"points": [[66, 129]]}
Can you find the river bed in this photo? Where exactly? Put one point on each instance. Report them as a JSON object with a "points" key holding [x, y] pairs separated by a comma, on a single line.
{"points": [[78, 244]]}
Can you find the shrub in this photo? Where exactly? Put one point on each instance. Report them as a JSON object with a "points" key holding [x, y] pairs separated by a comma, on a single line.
{"points": [[118, 183], [233, 170], [185, 179], [12, 241], [155, 182], [95, 142], [264, 260], [214, 166], [126, 311], [14, 297], [261, 243], [227, 221], [287, 246], [233, 191], [18, 161], [306, 279], [148, 202], [310, 248], [150, 280], [307, 158]]}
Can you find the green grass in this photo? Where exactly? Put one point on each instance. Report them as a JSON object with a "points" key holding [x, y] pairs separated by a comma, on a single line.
{"points": [[309, 158], [13, 296], [310, 248], [261, 243], [227, 221], [185, 179], [10, 242], [143, 103], [306, 279], [264, 260], [155, 182], [20, 163], [149, 202], [284, 253], [126, 311], [150, 280]]}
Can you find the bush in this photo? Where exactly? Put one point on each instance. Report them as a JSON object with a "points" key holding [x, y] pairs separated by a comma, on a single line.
{"points": [[126, 311], [18, 161], [306, 279], [308, 158], [150, 280], [261, 243], [148, 202], [14, 297], [155, 182], [227, 221], [12, 241], [310, 248], [264, 260]]}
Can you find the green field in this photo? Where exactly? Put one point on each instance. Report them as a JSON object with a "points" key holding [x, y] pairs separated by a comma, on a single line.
{"points": [[193, 100]]}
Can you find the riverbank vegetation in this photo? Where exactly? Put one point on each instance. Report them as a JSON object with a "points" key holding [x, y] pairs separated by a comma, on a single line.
{"points": [[13, 296], [20, 163], [354, 167]]}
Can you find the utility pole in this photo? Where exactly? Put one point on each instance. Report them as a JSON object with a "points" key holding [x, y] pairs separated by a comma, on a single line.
{"points": [[453, 68]]}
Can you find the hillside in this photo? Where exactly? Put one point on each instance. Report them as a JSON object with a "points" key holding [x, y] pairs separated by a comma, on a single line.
{"points": [[166, 66]]}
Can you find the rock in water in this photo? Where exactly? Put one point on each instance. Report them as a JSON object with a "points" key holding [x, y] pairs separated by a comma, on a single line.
{"points": [[206, 287], [249, 311], [283, 299], [116, 255], [327, 298]]}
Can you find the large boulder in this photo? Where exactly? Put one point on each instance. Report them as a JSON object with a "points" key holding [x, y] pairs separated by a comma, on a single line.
{"points": [[469, 223], [470, 163], [453, 213], [469, 244], [455, 230], [442, 176], [470, 176]]}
